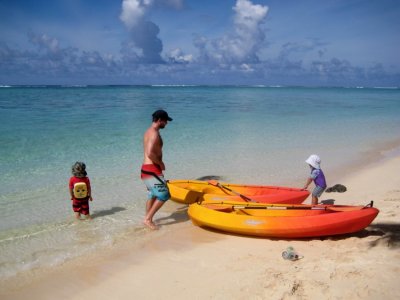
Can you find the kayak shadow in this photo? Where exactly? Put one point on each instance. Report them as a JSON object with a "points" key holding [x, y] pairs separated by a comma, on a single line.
{"points": [[209, 177], [388, 235], [178, 216]]}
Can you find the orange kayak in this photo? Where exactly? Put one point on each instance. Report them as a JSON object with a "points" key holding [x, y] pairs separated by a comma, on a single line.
{"points": [[190, 191], [282, 221]]}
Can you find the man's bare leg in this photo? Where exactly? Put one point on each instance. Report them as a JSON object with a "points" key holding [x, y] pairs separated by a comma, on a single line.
{"points": [[148, 220], [149, 204]]}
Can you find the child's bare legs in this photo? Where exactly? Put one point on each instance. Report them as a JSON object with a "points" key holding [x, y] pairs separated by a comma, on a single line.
{"points": [[78, 216], [314, 200]]}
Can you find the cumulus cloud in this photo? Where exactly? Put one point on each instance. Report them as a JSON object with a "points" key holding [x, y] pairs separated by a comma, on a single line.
{"points": [[144, 46], [94, 60], [177, 56], [145, 37], [51, 47], [303, 47], [247, 20], [52, 61], [133, 11], [241, 45], [44, 42], [147, 46]]}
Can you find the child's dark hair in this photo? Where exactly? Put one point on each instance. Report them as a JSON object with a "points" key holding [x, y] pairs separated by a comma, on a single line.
{"points": [[79, 169]]}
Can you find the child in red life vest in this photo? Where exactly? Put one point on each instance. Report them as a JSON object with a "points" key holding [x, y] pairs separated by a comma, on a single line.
{"points": [[80, 190]]}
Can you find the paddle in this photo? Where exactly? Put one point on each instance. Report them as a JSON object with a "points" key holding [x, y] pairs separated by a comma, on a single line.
{"points": [[216, 183], [352, 208], [287, 207]]}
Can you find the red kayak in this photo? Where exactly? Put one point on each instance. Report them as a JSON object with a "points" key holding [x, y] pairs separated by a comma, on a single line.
{"points": [[190, 191]]}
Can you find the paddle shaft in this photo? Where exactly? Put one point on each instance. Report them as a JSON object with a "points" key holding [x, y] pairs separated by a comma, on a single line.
{"points": [[338, 209], [212, 182], [237, 193], [279, 207], [295, 207]]}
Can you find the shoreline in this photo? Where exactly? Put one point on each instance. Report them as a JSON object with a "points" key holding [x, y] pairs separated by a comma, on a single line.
{"points": [[238, 266]]}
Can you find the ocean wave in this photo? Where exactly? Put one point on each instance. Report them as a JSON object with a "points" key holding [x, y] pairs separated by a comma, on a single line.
{"points": [[173, 85], [386, 87], [75, 86]]}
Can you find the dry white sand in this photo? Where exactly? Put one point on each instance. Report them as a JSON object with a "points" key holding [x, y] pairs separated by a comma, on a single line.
{"points": [[181, 261]]}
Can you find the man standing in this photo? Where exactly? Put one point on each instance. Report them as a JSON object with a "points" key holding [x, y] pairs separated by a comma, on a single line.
{"points": [[153, 167]]}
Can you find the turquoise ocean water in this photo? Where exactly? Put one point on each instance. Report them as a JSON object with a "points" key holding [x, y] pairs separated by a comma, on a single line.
{"points": [[259, 135]]}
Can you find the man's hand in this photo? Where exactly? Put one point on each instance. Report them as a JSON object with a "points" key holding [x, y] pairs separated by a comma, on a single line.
{"points": [[162, 166]]}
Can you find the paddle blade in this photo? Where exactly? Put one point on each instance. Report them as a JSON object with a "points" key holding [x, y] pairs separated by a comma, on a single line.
{"points": [[213, 182]]}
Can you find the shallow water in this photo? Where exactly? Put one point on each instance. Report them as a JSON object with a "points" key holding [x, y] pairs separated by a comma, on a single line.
{"points": [[254, 135]]}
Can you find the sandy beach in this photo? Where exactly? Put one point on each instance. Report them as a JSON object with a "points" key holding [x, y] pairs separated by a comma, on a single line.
{"points": [[182, 261]]}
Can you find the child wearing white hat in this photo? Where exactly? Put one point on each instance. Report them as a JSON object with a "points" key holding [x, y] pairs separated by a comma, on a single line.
{"points": [[317, 176]]}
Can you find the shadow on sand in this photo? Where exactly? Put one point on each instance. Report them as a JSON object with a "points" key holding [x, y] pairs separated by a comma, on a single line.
{"points": [[177, 216], [107, 212], [328, 202], [388, 234]]}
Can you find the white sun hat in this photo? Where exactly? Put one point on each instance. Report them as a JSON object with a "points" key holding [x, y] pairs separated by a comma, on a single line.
{"points": [[314, 161]]}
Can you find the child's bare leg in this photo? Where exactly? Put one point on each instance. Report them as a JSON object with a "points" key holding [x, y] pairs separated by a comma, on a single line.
{"points": [[77, 215], [88, 217], [314, 200]]}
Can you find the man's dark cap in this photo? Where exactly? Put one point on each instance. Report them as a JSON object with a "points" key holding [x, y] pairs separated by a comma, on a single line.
{"points": [[161, 115]]}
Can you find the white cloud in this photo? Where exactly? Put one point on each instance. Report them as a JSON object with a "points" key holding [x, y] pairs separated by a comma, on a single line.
{"points": [[45, 42], [243, 43], [177, 56], [145, 46], [247, 20], [246, 68], [133, 11], [248, 17]]}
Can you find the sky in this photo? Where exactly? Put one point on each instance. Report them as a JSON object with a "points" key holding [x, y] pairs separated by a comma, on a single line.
{"points": [[216, 42]]}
